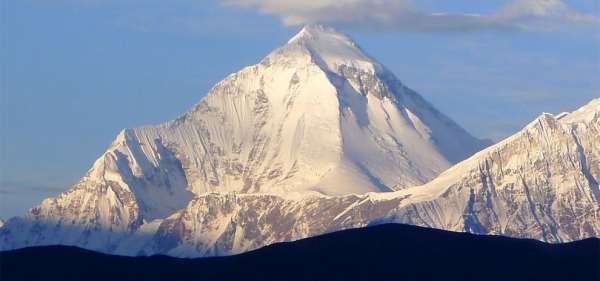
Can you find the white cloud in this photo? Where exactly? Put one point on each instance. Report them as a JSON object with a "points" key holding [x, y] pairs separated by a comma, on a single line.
{"points": [[404, 15]]}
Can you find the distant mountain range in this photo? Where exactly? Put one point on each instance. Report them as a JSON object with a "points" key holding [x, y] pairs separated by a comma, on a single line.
{"points": [[319, 137], [385, 252]]}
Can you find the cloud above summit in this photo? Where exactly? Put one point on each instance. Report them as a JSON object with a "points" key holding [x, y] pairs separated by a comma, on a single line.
{"points": [[405, 15]]}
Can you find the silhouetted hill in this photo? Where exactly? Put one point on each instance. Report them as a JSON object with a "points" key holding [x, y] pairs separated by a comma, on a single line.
{"points": [[385, 252]]}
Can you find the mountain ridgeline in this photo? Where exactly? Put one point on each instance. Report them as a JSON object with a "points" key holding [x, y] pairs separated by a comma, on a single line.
{"points": [[319, 137], [385, 252]]}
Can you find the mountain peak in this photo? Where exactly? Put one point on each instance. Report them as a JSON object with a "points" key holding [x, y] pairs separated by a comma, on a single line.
{"points": [[316, 116], [333, 49], [315, 32]]}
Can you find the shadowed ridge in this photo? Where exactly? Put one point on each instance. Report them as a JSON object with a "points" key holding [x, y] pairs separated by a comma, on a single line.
{"points": [[384, 252]]}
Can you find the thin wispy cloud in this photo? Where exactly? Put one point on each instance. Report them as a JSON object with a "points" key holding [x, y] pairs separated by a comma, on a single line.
{"points": [[404, 15], [17, 187]]}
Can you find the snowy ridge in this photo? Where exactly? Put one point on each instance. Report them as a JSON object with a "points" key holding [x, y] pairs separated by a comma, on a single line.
{"points": [[584, 114]]}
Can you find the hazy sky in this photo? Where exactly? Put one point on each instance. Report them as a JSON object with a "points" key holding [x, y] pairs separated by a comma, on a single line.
{"points": [[73, 73]]}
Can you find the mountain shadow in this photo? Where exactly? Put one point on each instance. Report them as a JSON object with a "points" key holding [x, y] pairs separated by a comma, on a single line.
{"points": [[384, 252]]}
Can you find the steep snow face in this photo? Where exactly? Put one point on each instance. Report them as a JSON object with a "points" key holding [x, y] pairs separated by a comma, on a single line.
{"points": [[269, 127], [316, 115]]}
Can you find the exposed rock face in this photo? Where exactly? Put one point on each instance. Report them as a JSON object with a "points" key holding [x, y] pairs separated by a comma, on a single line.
{"points": [[295, 145], [541, 183], [223, 224]]}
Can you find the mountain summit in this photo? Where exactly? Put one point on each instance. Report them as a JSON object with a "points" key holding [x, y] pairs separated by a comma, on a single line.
{"points": [[332, 50], [316, 115]]}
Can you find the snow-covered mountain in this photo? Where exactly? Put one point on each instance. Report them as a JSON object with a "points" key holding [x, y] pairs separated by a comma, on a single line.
{"points": [[541, 183], [304, 143], [317, 114]]}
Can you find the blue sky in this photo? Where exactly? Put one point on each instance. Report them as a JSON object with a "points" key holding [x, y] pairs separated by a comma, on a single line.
{"points": [[73, 73]]}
